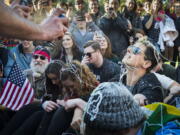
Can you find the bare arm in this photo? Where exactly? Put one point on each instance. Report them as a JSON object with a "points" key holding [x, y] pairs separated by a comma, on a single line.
{"points": [[149, 22], [14, 26]]}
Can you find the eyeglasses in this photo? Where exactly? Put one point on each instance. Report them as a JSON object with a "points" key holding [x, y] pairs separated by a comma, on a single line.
{"points": [[89, 54], [39, 56], [135, 50]]}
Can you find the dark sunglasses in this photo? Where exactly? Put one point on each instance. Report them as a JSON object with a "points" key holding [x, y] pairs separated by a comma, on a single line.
{"points": [[39, 56], [89, 54], [135, 50]]}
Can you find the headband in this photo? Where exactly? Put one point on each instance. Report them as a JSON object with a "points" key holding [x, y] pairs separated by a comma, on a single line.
{"points": [[42, 53]]}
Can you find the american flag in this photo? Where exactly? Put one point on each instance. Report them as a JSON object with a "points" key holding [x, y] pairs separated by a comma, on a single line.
{"points": [[17, 90]]}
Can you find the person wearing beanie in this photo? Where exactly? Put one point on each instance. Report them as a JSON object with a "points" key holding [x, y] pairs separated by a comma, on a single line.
{"points": [[110, 110]]}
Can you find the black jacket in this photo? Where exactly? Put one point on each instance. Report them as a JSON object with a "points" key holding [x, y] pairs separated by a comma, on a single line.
{"points": [[106, 72], [148, 85], [116, 30]]}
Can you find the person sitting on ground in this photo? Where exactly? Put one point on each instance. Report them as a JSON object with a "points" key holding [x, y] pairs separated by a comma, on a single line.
{"points": [[72, 81], [110, 110], [32, 113], [106, 47], [103, 68], [68, 50], [36, 73], [77, 81], [139, 60]]}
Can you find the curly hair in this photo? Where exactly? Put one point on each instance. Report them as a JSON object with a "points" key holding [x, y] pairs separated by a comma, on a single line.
{"points": [[82, 74]]}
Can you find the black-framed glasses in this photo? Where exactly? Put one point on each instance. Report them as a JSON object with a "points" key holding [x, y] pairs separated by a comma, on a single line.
{"points": [[39, 56], [135, 50], [89, 54]]}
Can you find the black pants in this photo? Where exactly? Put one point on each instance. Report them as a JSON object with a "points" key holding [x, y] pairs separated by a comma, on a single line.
{"points": [[30, 126], [5, 117], [55, 123], [20, 117]]}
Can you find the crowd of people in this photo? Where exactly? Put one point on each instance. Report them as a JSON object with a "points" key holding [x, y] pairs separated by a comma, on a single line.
{"points": [[93, 67]]}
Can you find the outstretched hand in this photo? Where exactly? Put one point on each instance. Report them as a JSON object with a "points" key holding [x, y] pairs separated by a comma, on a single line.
{"points": [[53, 26]]}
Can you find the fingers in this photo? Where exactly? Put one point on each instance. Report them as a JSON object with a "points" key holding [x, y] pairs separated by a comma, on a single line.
{"points": [[63, 20], [60, 102], [50, 105], [15, 2], [25, 8], [76, 124], [58, 11]]}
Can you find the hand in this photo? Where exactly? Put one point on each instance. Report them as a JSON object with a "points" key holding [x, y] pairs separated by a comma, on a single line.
{"points": [[129, 25], [48, 106], [22, 10], [85, 60], [54, 27], [114, 14], [77, 119], [141, 99], [69, 104], [88, 18]]}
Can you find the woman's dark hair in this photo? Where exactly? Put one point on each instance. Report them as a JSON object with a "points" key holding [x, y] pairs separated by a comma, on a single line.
{"points": [[108, 53], [53, 68], [151, 52], [135, 4], [75, 49]]}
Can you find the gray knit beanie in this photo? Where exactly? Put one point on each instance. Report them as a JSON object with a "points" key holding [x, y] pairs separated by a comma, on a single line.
{"points": [[111, 107]]}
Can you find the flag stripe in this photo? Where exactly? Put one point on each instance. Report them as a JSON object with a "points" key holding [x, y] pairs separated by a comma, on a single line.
{"points": [[2, 93], [28, 97], [16, 96], [13, 97], [20, 96], [5, 93], [25, 95], [17, 90], [10, 92]]}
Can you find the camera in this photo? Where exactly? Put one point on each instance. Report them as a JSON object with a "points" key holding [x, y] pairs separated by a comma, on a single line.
{"points": [[111, 9]]}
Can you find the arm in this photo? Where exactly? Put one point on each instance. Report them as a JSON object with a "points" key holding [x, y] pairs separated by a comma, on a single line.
{"points": [[149, 23], [105, 24], [14, 26], [77, 119], [121, 23]]}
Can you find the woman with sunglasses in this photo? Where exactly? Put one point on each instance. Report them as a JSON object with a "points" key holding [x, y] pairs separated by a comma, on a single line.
{"points": [[139, 60]]}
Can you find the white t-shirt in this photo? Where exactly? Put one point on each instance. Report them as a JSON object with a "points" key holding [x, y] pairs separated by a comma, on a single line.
{"points": [[165, 81]]}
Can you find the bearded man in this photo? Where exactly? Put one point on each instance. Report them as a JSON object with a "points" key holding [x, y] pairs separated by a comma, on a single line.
{"points": [[36, 73]]}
